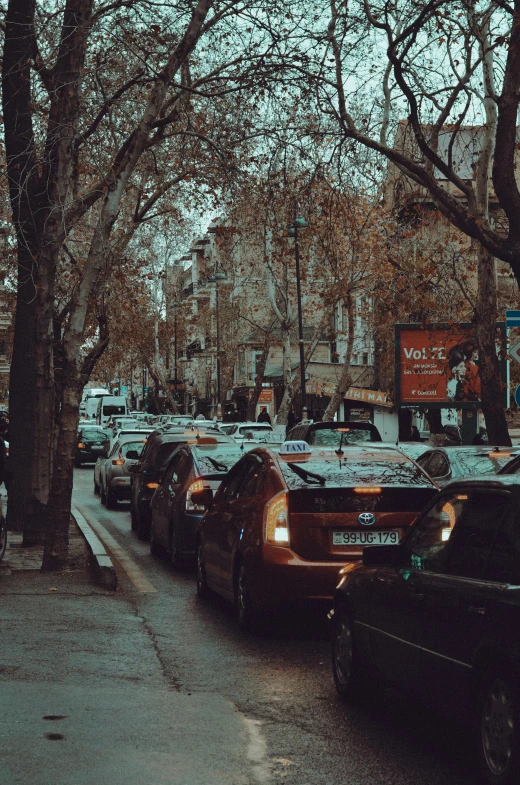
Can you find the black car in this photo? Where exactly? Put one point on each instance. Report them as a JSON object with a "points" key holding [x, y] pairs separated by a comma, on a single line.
{"points": [[330, 434], [438, 616], [147, 474], [174, 516], [90, 443]]}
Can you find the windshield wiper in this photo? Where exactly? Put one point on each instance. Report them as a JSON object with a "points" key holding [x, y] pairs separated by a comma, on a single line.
{"points": [[221, 467], [306, 475]]}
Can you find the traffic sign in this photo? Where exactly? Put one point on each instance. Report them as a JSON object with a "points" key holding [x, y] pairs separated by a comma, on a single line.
{"points": [[517, 395], [512, 318], [514, 352]]}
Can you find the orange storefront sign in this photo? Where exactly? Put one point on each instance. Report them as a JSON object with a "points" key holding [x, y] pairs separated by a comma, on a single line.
{"points": [[266, 396]]}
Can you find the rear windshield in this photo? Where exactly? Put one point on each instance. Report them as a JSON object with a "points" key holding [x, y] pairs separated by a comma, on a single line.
{"points": [[93, 435], [471, 464], [162, 455], [216, 462], [110, 409], [254, 429], [347, 473], [346, 500], [324, 437], [137, 446]]}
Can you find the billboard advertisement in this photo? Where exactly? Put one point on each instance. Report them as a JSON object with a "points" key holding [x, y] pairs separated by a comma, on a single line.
{"points": [[438, 365]]}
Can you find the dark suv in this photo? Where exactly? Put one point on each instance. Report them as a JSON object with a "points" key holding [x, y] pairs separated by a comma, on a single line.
{"points": [[438, 616], [329, 434], [147, 474]]}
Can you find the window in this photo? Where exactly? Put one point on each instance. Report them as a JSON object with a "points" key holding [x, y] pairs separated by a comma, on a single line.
{"points": [[252, 478], [129, 446], [115, 449], [475, 537], [503, 564], [425, 546], [229, 487], [435, 464], [171, 474]]}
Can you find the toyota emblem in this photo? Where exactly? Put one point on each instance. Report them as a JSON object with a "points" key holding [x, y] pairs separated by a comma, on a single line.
{"points": [[367, 518]]}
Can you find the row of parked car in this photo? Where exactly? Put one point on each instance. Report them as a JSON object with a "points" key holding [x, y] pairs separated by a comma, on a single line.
{"points": [[424, 583]]}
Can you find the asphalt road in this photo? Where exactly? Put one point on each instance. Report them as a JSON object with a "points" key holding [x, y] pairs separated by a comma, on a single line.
{"points": [[265, 705]]}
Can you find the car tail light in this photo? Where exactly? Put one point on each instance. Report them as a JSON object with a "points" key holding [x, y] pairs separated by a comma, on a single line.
{"points": [[118, 462], [276, 520], [367, 489], [152, 484], [198, 485], [81, 446]]}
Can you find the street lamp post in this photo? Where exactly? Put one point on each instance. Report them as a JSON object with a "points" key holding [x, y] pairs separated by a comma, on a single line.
{"points": [[218, 276], [299, 223]]}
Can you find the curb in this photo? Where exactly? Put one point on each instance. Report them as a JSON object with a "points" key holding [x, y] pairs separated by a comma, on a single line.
{"points": [[104, 569]]}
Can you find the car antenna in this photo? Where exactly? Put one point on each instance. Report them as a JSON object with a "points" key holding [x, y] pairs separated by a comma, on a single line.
{"points": [[339, 451]]}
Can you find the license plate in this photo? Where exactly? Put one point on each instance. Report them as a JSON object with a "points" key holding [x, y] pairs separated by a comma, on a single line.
{"points": [[94, 447], [387, 537]]}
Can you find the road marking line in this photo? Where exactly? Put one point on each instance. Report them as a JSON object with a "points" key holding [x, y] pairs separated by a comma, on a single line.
{"points": [[134, 573]]}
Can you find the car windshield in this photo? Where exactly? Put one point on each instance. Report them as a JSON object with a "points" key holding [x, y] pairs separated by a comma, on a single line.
{"points": [[331, 437], [341, 472]]}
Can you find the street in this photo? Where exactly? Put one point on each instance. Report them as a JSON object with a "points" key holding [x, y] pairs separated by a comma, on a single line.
{"points": [[253, 709]]}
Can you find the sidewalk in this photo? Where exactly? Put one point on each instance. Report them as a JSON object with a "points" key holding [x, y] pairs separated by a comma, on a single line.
{"points": [[85, 699]]}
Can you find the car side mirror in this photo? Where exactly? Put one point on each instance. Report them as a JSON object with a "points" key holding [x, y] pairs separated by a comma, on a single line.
{"points": [[132, 455], [203, 498], [382, 555]]}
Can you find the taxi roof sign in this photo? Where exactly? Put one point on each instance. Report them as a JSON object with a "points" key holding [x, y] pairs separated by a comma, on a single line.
{"points": [[295, 450]]}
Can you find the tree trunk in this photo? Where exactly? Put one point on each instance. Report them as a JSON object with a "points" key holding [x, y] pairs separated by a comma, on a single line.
{"points": [[285, 405], [345, 380], [261, 363], [490, 378], [57, 534]]}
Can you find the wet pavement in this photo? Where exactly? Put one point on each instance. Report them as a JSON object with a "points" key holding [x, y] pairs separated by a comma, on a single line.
{"points": [[156, 687]]}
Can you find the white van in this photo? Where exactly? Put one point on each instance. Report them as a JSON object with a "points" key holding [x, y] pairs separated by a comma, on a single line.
{"points": [[108, 406], [91, 394]]}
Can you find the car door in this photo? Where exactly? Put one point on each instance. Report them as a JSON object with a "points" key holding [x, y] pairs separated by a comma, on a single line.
{"points": [[463, 595], [161, 500], [397, 596], [177, 496], [215, 518], [244, 509]]}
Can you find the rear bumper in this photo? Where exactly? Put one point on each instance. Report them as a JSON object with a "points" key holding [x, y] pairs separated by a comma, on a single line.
{"points": [[282, 578], [121, 487]]}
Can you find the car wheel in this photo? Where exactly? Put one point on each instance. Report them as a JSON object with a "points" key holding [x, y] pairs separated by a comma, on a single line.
{"points": [[175, 556], [96, 487], [110, 499], [345, 667], [246, 615], [203, 590], [103, 493], [155, 548], [498, 726], [3, 537]]}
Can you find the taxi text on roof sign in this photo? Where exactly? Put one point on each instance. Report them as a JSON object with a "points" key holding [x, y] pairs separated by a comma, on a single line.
{"points": [[296, 448]]}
